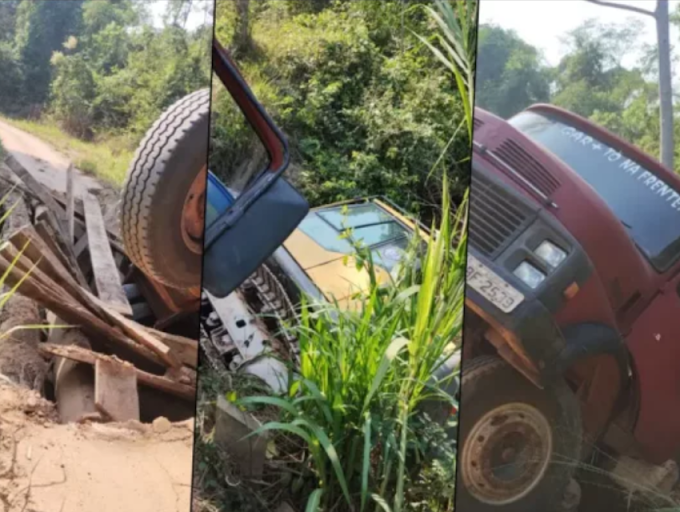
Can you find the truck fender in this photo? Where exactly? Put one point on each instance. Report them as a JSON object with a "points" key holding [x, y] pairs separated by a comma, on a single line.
{"points": [[585, 340]]}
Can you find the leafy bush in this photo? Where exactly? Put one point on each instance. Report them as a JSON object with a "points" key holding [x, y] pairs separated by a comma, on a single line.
{"points": [[98, 69], [73, 92], [11, 78], [368, 108]]}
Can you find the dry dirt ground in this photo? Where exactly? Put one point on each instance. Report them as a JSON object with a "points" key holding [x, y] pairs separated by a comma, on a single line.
{"points": [[48, 467]]}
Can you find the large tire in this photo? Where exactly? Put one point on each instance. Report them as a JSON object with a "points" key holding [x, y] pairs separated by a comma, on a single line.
{"points": [[518, 445], [170, 158]]}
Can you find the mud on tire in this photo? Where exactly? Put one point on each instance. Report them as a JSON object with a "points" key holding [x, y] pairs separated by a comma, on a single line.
{"points": [[168, 160], [518, 445]]}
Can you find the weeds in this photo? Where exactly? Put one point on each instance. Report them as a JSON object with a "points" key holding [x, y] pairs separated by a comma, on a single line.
{"points": [[364, 372]]}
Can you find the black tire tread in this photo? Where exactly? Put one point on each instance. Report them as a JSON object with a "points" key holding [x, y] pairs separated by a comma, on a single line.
{"points": [[147, 170]]}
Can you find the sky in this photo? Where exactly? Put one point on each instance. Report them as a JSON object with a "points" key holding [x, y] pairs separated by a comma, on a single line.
{"points": [[196, 17], [542, 23]]}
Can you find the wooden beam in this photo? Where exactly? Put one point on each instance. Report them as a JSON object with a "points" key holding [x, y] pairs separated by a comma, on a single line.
{"points": [[70, 204], [115, 389], [42, 289], [106, 275], [40, 191], [35, 249], [70, 262], [185, 349], [141, 336], [82, 355]]}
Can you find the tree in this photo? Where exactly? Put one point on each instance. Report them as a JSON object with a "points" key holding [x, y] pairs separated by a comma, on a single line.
{"points": [[660, 15], [8, 13], [590, 77], [510, 75], [41, 29], [242, 41], [177, 12]]}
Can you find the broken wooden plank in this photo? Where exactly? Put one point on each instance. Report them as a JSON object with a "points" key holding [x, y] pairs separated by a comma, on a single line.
{"points": [[115, 390], [55, 214], [42, 289], [137, 333], [39, 189], [37, 250], [70, 227], [184, 391], [185, 349], [50, 237], [106, 275]]}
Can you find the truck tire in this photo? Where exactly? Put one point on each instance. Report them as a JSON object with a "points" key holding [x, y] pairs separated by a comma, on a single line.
{"points": [[163, 197], [518, 445]]}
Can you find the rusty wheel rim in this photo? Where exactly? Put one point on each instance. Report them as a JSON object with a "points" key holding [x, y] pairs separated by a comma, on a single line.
{"points": [[506, 454], [193, 213]]}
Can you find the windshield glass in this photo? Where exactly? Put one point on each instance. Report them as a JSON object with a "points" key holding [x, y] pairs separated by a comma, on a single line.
{"points": [[370, 224], [647, 205]]}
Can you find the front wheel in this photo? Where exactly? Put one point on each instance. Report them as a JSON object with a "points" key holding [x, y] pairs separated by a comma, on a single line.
{"points": [[519, 445], [164, 195]]}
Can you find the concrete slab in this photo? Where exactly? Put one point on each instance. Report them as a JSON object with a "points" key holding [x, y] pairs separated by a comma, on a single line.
{"points": [[231, 427]]}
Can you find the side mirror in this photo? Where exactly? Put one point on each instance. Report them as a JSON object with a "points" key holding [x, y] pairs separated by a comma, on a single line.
{"points": [[234, 251], [248, 231]]}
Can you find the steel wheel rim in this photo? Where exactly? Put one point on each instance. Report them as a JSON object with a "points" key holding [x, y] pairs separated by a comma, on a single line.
{"points": [[193, 213], [506, 454]]}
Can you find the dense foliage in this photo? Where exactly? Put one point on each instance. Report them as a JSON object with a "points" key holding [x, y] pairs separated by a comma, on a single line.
{"points": [[97, 68], [590, 79], [366, 105]]}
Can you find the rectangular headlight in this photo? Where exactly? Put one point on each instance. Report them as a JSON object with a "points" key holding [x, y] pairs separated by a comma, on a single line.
{"points": [[530, 275], [550, 253]]}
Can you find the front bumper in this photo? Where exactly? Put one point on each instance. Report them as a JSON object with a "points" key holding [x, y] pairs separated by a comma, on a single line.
{"points": [[526, 224]]}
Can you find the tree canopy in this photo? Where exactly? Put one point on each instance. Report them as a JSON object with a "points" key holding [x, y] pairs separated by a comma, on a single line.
{"points": [[98, 67], [366, 106], [590, 79]]}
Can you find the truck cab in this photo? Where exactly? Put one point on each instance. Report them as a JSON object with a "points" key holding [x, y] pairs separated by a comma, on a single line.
{"points": [[574, 247]]}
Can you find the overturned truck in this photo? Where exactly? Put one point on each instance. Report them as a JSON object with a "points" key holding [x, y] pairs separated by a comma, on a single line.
{"points": [[571, 340]]}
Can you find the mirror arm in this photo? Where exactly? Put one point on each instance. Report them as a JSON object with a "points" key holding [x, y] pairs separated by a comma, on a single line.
{"points": [[270, 135]]}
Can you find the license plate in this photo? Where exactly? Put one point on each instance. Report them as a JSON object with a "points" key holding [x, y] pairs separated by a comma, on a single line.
{"points": [[491, 286]]}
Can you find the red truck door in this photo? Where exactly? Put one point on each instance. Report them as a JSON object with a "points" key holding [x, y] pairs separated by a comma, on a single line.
{"points": [[654, 342]]}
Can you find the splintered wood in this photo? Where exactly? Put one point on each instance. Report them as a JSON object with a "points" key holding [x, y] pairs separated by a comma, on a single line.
{"points": [[106, 274], [115, 390], [48, 261]]}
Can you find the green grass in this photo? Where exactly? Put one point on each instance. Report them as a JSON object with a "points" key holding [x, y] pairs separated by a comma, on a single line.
{"points": [[354, 402], [107, 158]]}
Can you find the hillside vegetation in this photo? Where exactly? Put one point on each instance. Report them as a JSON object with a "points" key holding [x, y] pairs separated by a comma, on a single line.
{"points": [[590, 79], [366, 105], [98, 72]]}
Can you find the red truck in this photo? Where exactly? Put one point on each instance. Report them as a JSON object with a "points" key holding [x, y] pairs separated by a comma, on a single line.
{"points": [[571, 339]]}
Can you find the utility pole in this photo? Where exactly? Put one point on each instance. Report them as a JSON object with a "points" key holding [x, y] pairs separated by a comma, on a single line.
{"points": [[660, 15]]}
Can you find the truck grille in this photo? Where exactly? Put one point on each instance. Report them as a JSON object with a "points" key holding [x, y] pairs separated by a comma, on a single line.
{"points": [[526, 165], [496, 217]]}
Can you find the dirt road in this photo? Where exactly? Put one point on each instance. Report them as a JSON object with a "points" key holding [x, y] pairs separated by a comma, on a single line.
{"points": [[48, 467], [41, 160]]}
